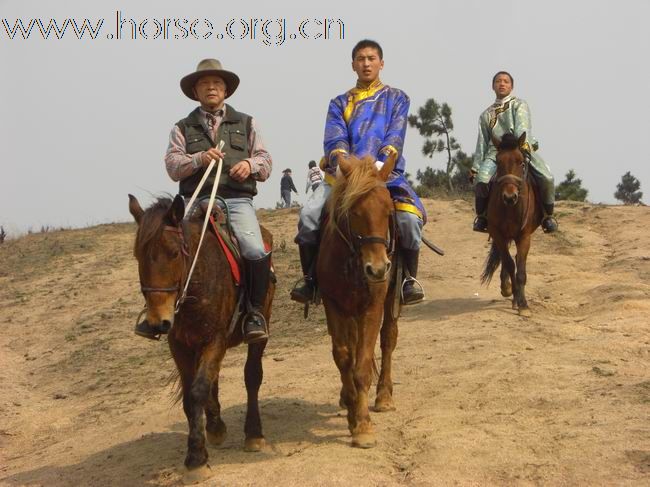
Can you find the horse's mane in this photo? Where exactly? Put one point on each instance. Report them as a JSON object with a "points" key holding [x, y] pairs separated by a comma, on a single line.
{"points": [[348, 190], [151, 225], [509, 142]]}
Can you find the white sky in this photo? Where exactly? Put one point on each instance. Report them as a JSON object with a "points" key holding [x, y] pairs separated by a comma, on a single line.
{"points": [[84, 122]]}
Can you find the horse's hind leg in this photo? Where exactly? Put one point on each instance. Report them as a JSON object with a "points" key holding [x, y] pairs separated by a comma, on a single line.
{"points": [[523, 246], [507, 267], [215, 428], [384, 400], [253, 374], [506, 285]]}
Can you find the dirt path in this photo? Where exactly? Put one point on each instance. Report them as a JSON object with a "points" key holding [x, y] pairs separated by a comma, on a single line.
{"points": [[484, 396]]}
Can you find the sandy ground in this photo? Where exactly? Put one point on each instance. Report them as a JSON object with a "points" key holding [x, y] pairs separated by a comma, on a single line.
{"points": [[484, 397]]}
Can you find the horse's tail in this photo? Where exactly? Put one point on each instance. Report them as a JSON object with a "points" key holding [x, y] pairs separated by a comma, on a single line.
{"points": [[375, 368], [491, 265], [174, 379]]}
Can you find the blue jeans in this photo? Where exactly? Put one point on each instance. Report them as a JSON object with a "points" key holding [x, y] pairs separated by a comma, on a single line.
{"points": [[245, 227], [409, 225]]}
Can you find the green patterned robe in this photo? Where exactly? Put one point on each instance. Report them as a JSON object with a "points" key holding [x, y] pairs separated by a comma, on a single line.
{"points": [[510, 115]]}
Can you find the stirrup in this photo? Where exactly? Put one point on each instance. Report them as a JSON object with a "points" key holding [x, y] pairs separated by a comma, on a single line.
{"points": [[401, 291], [311, 299], [476, 228], [549, 220], [257, 336]]}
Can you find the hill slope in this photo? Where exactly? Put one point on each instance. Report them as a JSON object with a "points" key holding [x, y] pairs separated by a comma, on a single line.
{"points": [[483, 395]]}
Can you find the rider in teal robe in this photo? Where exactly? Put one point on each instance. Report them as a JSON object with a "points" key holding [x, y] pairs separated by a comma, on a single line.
{"points": [[508, 114]]}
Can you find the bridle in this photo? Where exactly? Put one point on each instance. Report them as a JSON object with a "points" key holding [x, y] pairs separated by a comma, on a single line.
{"points": [[184, 274], [519, 182], [354, 241]]}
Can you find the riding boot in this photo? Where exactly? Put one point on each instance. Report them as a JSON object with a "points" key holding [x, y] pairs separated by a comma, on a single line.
{"points": [[549, 223], [257, 273], [480, 223], [411, 292], [304, 291]]}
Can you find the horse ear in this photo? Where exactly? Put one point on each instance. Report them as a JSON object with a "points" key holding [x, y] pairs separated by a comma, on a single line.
{"points": [[388, 166], [177, 210], [496, 142], [345, 165], [135, 209], [522, 140]]}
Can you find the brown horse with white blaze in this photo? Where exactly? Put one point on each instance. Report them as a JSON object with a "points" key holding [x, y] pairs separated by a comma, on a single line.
{"points": [[201, 328], [514, 213], [356, 280]]}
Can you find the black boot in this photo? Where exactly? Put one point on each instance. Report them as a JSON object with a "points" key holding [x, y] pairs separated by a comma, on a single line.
{"points": [[411, 291], [480, 223], [304, 291], [257, 284], [549, 223]]}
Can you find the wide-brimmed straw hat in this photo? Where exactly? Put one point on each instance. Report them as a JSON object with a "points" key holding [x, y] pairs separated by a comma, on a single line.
{"points": [[205, 68]]}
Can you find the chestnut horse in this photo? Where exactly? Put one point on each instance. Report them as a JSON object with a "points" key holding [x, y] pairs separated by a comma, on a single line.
{"points": [[200, 330], [357, 287], [514, 213]]}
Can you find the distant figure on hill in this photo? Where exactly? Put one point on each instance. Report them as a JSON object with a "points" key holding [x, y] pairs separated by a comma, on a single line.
{"points": [[286, 187]]}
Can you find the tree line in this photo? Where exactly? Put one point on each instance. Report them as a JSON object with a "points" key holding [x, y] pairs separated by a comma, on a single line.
{"points": [[434, 123]]}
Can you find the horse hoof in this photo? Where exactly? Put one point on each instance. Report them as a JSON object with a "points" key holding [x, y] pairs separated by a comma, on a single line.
{"points": [[217, 437], [525, 312], [197, 475], [364, 440], [254, 444], [506, 293], [384, 406]]}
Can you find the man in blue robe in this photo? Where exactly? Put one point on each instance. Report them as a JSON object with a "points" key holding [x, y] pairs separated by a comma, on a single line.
{"points": [[370, 119]]}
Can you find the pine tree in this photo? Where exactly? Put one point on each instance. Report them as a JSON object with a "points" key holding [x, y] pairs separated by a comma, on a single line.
{"points": [[571, 188], [434, 123], [627, 190]]}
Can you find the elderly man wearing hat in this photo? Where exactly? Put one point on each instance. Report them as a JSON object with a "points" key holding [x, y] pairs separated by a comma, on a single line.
{"points": [[286, 187], [193, 144]]}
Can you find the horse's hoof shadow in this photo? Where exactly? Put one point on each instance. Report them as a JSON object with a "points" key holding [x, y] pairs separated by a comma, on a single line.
{"points": [[525, 312]]}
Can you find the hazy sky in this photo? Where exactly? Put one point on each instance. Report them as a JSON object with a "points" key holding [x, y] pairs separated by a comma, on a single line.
{"points": [[84, 122]]}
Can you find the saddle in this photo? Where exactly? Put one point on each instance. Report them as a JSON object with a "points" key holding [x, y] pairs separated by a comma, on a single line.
{"points": [[222, 228]]}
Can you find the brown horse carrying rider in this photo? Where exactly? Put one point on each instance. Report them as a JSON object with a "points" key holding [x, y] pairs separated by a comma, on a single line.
{"points": [[192, 146]]}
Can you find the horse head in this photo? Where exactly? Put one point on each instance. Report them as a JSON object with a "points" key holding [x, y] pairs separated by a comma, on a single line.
{"points": [[161, 251], [361, 209], [511, 167]]}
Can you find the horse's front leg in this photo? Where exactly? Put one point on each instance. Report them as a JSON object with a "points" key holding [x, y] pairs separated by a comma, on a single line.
{"points": [[196, 398], [338, 325], [363, 435], [389, 331], [253, 375], [523, 246]]}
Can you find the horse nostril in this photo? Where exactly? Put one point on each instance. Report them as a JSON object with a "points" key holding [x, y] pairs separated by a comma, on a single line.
{"points": [[166, 325], [387, 267], [369, 269]]}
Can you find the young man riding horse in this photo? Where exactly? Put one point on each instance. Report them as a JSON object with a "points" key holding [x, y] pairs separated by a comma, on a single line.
{"points": [[370, 119], [508, 114], [192, 146]]}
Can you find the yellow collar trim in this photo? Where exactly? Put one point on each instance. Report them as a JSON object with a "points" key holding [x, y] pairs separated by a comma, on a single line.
{"points": [[359, 93]]}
